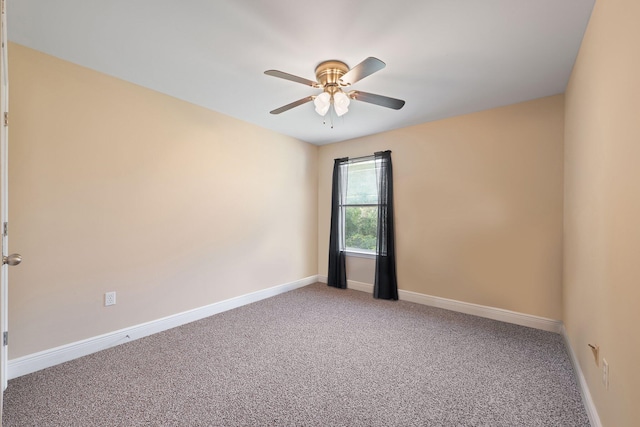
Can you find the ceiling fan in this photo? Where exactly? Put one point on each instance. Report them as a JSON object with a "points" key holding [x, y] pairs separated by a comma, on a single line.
{"points": [[332, 76]]}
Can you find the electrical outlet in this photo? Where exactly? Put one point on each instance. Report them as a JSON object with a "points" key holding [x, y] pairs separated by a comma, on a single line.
{"points": [[605, 373], [109, 298]]}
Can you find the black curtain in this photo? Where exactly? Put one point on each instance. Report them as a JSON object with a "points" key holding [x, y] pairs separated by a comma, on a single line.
{"points": [[386, 283], [337, 276]]}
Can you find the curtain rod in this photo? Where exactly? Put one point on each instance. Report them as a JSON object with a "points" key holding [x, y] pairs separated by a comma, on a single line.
{"points": [[362, 157]]}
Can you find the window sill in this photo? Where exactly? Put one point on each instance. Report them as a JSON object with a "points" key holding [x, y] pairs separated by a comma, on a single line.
{"points": [[356, 254]]}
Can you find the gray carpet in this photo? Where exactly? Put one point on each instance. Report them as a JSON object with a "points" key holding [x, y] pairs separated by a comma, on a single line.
{"points": [[316, 356]]}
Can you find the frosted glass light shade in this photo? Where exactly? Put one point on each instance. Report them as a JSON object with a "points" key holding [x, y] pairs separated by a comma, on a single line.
{"points": [[322, 103], [341, 103]]}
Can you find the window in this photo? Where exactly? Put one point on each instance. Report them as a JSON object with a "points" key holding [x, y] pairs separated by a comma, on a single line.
{"points": [[362, 220], [361, 207]]}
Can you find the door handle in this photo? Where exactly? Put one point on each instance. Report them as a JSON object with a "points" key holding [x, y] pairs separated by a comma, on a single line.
{"points": [[13, 259]]}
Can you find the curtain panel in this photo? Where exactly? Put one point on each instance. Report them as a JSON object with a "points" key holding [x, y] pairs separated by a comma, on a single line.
{"points": [[386, 283], [337, 275]]}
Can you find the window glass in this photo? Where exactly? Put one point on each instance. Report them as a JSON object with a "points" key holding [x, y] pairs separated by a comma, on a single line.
{"points": [[361, 207], [361, 184], [361, 228]]}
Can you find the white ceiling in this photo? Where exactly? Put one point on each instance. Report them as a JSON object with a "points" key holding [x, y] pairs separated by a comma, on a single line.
{"points": [[444, 57]]}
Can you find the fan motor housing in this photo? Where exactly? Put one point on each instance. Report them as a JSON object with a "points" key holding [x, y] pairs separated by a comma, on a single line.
{"points": [[328, 74]]}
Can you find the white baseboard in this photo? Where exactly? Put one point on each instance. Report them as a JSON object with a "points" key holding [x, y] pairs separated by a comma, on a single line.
{"points": [[466, 307], [51, 357], [590, 407], [494, 313]]}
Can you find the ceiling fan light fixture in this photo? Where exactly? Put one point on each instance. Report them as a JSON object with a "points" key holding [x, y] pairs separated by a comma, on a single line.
{"points": [[332, 76], [322, 103], [341, 103]]}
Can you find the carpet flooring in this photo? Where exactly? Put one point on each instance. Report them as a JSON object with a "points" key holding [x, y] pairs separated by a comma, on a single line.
{"points": [[315, 356]]}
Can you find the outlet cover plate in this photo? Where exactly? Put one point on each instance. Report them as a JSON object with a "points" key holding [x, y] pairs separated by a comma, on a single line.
{"points": [[109, 299]]}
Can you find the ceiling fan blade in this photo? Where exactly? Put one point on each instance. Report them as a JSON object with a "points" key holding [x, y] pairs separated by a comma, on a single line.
{"points": [[287, 76], [292, 105], [362, 70], [372, 98]]}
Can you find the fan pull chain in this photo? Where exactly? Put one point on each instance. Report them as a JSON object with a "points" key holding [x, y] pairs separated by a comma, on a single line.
{"points": [[331, 117], [324, 118]]}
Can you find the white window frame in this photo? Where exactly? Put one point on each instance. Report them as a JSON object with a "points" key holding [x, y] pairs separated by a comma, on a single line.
{"points": [[357, 252]]}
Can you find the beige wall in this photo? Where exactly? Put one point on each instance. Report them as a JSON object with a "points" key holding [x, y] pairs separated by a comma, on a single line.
{"points": [[114, 187], [478, 203], [361, 269], [602, 208]]}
